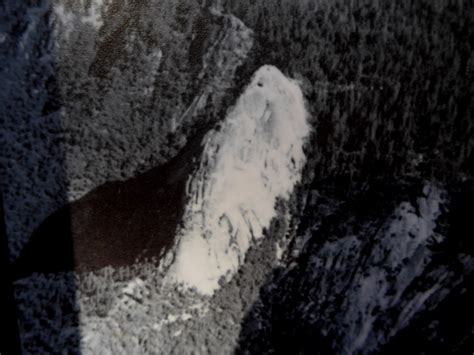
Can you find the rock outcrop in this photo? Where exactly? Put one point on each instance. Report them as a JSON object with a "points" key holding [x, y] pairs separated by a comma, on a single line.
{"points": [[254, 157], [360, 278]]}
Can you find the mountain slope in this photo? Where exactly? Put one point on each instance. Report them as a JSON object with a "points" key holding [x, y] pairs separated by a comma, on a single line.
{"points": [[115, 224], [365, 271], [255, 156], [363, 244], [99, 91]]}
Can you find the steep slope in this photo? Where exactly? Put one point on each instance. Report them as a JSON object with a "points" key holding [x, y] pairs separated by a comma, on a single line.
{"points": [[115, 224], [368, 272], [252, 158], [103, 90], [219, 206], [372, 252]]}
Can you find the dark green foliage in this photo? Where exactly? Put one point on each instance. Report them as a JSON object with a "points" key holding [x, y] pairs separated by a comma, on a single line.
{"points": [[126, 87], [388, 84]]}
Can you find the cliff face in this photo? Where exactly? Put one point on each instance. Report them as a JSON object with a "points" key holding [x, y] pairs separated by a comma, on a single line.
{"points": [[355, 281], [206, 216], [254, 157]]}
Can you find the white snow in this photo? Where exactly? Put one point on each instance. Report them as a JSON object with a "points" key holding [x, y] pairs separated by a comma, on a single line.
{"points": [[255, 156]]}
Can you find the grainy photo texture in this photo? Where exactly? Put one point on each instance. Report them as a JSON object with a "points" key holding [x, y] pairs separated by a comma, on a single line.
{"points": [[237, 176]]}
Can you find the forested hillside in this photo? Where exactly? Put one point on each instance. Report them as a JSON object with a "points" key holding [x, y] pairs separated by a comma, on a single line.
{"points": [[389, 84], [104, 90], [322, 207]]}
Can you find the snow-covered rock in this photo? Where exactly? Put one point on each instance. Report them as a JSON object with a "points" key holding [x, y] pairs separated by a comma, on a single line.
{"points": [[255, 156]]}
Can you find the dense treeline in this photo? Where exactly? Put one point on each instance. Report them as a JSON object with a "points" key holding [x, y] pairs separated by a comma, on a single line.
{"points": [[124, 87], [123, 93], [388, 84], [92, 94]]}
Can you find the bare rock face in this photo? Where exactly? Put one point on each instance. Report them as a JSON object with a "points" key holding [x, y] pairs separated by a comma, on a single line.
{"points": [[371, 280], [202, 211], [251, 159]]}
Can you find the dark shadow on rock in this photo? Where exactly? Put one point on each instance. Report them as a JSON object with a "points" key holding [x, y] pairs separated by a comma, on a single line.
{"points": [[303, 309], [446, 329], [116, 224]]}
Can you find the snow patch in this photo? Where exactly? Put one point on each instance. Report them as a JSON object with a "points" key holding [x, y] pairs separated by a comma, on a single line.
{"points": [[255, 156]]}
